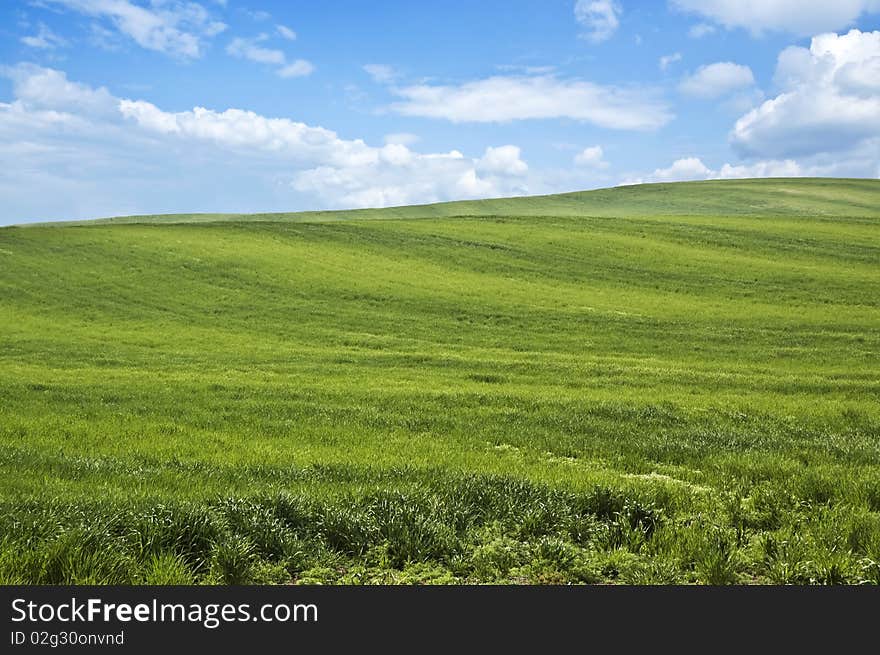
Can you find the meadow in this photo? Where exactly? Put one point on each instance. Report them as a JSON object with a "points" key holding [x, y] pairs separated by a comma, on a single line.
{"points": [[658, 384]]}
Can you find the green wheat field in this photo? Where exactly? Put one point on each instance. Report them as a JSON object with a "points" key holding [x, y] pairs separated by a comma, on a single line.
{"points": [[659, 384]]}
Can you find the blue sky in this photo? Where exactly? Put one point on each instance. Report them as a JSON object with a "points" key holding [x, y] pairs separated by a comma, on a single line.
{"points": [[111, 107]]}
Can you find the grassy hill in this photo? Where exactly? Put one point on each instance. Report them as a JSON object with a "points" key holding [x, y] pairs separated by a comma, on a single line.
{"points": [[657, 383], [814, 197]]}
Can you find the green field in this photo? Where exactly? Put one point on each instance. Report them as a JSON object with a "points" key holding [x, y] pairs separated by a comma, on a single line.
{"points": [[673, 383]]}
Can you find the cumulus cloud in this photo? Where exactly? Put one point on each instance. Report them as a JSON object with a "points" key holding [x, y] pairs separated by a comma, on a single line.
{"points": [[89, 151], [689, 168], [592, 157], [502, 161], [244, 131], [399, 176], [829, 101], [824, 121], [251, 50], [772, 168], [41, 88], [599, 17], [174, 27], [508, 98], [802, 17], [693, 168], [667, 60], [716, 80]]}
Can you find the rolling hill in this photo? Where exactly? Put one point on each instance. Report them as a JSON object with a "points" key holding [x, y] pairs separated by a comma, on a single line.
{"points": [[667, 383]]}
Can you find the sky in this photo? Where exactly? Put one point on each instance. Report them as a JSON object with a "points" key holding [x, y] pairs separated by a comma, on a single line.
{"points": [[120, 107]]}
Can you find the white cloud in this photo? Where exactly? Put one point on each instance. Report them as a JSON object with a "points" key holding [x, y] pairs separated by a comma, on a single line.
{"points": [[508, 98], [74, 151], [667, 60], [773, 168], [286, 32], [700, 30], [402, 138], [600, 17], [297, 68], [381, 73], [248, 49], [690, 168], [503, 160], [399, 176], [693, 168], [856, 164], [829, 101], [743, 101], [802, 17], [48, 89], [825, 120], [716, 80], [44, 39], [173, 27], [592, 157], [247, 131]]}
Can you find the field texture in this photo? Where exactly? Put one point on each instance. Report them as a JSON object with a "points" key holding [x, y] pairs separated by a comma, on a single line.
{"points": [[655, 384]]}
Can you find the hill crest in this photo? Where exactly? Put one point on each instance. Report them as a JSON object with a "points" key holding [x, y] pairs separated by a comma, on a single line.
{"points": [[814, 197]]}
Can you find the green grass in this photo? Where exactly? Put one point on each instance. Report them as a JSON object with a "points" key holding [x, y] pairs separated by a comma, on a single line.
{"points": [[671, 383]]}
